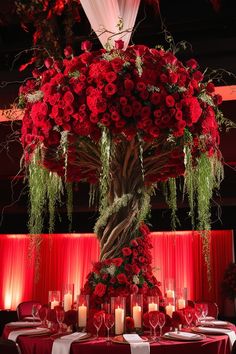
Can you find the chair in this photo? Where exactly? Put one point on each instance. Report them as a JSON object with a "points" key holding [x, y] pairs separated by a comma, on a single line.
{"points": [[8, 346], [24, 309], [213, 309]]}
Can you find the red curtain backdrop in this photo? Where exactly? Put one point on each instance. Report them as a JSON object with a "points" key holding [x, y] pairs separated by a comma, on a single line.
{"points": [[67, 258]]}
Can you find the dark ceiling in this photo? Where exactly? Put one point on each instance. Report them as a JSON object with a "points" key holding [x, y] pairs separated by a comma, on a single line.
{"points": [[212, 36]]}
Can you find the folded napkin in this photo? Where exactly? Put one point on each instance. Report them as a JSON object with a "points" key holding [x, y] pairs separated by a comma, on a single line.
{"points": [[26, 332], [182, 335], [62, 345], [230, 334], [137, 345], [22, 324]]}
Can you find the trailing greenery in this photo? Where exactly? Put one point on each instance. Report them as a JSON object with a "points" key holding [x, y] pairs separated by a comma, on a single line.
{"points": [[54, 192], [69, 203], [172, 201], [37, 178], [105, 151], [189, 184]]}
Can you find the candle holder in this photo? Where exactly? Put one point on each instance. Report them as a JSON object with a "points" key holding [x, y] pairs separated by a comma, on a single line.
{"points": [[136, 304], [181, 298], [83, 310], [170, 288], [68, 296], [54, 298], [170, 306], [118, 309], [153, 303]]}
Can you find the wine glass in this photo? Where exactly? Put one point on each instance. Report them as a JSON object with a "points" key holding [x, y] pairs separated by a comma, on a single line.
{"points": [[60, 315], [97, 321], [154, 321], [204, 310], [109, 322], [161, 321], [43, 313], [188, 314], [198, 312], [35, 311]]}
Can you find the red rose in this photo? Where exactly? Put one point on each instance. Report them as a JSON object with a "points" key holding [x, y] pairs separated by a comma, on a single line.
{"points": [[117, 64], [133, 243], [198, 76], [68, 98], [48, 62], [117, 261], [100, 289], [133, 289], [126, 251], [210, 87], [110, 89], [86, 45], [192, 63], [119, 44], [129, 84], [122, 279], [170, 102], [110, 76], [129, 323], [68, 51], [135, 269]]}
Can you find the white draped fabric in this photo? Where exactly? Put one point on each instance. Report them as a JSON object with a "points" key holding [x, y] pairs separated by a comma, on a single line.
{"points": [[104, 16]]}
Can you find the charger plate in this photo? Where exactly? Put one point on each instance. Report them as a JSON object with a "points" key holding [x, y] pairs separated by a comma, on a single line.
{"points": [[183, 336]]}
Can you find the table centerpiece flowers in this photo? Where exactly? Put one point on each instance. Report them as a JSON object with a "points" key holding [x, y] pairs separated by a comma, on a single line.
{"points": [[128, 122]]}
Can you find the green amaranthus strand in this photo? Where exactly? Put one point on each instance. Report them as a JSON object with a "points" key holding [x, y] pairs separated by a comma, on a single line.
{"points": [[105, 170], [172, 201], [69, 203], [38, 177], [190, 186], [54, 192]]}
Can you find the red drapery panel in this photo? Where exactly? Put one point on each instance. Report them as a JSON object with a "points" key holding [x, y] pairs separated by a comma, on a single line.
{"points": [[67, 258]]}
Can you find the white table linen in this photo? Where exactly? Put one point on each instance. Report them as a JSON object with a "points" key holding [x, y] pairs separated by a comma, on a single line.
{"points": [[137, 344]]}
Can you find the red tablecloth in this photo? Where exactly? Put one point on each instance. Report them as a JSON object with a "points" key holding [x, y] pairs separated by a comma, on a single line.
{"points": [[218, 344]]}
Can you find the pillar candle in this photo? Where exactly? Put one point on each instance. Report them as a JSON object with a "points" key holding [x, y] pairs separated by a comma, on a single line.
{"points": [[82, 315], [119, 320], [170, 309], [67, 301], [152, 307], [137, 316], [54, 303], [170, 293], [181, 303]]}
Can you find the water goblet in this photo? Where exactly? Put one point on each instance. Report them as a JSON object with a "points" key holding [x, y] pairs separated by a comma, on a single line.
{"points": [[60, 315], [97, 321], [204, 310], [109, 322], [35, 311], [198, 312], [188, 314], [154, 321], [161, 321], [43, 313]]}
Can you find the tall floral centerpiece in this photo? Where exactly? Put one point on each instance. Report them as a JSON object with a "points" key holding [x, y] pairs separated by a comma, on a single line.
{"points": [[126, 121]]}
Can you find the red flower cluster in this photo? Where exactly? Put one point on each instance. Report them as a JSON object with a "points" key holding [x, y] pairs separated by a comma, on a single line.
{"points": [[138, 91], [131, 273], [228, 284]]}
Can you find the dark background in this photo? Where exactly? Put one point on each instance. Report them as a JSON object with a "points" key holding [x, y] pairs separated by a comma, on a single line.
{"points": [[212, 35]]}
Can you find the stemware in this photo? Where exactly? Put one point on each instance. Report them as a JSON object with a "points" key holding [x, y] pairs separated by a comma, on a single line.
{"points": [[204, 310], [60, 315], [198, 312], [35, 311], [109, 322], [43, 312], [154, 321], [161, 321], [97, 321], [188, 314]]}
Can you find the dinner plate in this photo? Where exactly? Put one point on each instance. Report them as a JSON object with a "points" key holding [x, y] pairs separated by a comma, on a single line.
{"points": [[120, 339], [211, 330], [214, 323], [183, 336]]}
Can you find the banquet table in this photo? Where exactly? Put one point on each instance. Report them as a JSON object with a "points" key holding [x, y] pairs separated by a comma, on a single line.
{"points": [[212, 344]]}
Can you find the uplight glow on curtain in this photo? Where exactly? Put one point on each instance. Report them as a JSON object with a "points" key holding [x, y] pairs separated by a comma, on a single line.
{"points": [[68, 258]]}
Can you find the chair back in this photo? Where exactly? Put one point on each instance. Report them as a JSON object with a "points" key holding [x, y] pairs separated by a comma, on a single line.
{"points": [[24, 309]]}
